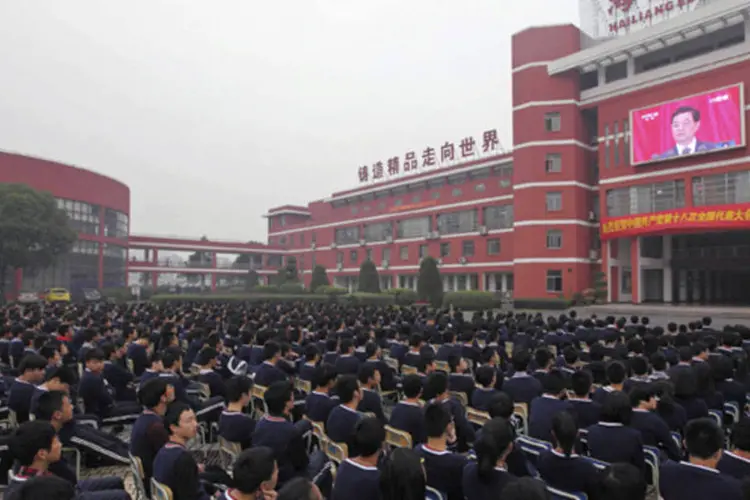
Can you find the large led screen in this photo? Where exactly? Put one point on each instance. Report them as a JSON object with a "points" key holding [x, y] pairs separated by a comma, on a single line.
{"points": [[694, 125]]}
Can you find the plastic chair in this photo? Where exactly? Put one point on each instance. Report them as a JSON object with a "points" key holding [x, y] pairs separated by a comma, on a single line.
{"points": [[257, 392], [392, 363], [677, 438], [531, 447], [409, 370], [651, 457], [431, 493], [302, 385], [477, 417], [229, 451], [521, 410], [556, 494], [718, 417], [599, 464], [733, 410], [336, 452], [397, 438], [136, 469], [160, 491], [442, 366], [76, 454], [461, 397]]}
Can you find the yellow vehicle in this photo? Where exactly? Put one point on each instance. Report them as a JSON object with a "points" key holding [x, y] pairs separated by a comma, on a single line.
{"points": [[57, 295]]}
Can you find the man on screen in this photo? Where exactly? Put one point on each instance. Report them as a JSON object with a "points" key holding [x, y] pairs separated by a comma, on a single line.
{"points": [[686, 121]]}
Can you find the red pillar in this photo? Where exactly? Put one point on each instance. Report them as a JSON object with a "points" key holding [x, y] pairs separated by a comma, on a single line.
{"points": [[17, 282], [635, 269]]}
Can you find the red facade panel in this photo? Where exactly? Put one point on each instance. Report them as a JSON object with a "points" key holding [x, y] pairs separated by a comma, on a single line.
{"points": [[534, 84], [545, 43]]}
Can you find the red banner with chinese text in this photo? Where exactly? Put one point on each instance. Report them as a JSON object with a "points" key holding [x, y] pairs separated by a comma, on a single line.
{"points": [[713, 218]]}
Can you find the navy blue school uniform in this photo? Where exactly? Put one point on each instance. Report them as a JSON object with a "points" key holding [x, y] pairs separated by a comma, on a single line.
{"points": [[686, 481], [19, 399], [340, 426], [331, 358], [634, 382], [15, 350], [464, 429], [613, 442], [694, 407], [676, 419], [354, 480], [522, 388], [306, 371], [372, 403], [475, 488], [655, 432], [318, 406], [146, 376], [733, 391], [138, 354], [146, 439], [95, 394], [409, 417], [412, 358], [118, 378], [256, 355], [268, 373], [470, 352], [398, 351], [347, 364], [481, 397], [734, 465], [387, 375], [586, 412], [237, 427], [445, 351], [541, 412], [286, 441], [175, 467], [461, 382], [214, 382], [601, 394], [571, 473], [360, 354], [4, 350], [243, 352], [34, 402], [444, 470]]}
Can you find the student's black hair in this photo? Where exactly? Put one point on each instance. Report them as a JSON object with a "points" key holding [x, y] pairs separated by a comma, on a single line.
{"points": [[252, 468], [94, 355], [659, 361], [497, 435], [641, 393], [277, 396], [521, 359], [64, 374], [370, 349], [151, 392], [236, 387], [639, 365], [411, 385], [48, 350], [174, 412], [435, 385], [299, 488], [436, 419], [570, 354], [32, 362], [685, 384], [616, 408], [369, 434], [270, 349], [485, 375], [49, 487], [543, 356], [526, 488], [554, 382], [29, 438], [48, 404], [580, 382], [311, 351], [366, 372], [323, 375], [703, 438], [622, 481], [346, 387], [564, 431], [402, 476], [205, 356], [616, 372], [346, 345], [500, 405]]}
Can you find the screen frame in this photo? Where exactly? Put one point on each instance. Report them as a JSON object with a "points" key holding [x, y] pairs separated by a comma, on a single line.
{"points": [[743, 131]]}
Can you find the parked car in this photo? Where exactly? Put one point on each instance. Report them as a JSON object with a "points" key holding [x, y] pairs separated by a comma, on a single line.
{"points": [[57, 295], [26, 297], [91, 295]]}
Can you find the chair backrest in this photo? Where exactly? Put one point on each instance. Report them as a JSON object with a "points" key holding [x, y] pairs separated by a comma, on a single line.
{"points": [[461, 397], [397, 438], [160, 491], [566, 495], [532, 446], [392, 363], [195, 369], [12, 419], [408, 370], [599, 464], [717, 416], [477, 417], [136, 468], [521, 411], [442, 366], [230, 448], [303, 385], [433, 494], [131, 366], [336, 452], [651, 457]]}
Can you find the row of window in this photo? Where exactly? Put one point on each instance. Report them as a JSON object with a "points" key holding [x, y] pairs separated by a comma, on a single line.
{"points": [[719, 189], [617, 147], [85, 218], [468, 249]]}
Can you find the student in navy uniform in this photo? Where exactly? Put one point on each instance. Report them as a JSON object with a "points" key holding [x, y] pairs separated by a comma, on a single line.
{"points": [[586, 411], [138, 353], [59, 379], [686, 394], [174, 465], [154, 369], [436, 390], [654, 430], [460, 379], [414, 355], [698, 479], [612, 440], [387, 375], [255, 474], [269, 372], [736, 462], [444, 468], [206, 360], [616, 374], [407, 415], [31, 372], [344, 417], [543, 408], [561, 468], [149, 434], [277, 432], [522, 387], [623, 482], [312, 358], [449, 347], [402, 476], [235, 425], [487, 478], [319, 403], [369, 381], [358, 476], [347, 363], [639, 367], [544, 361], [47, 486], [96, 394], [115, 372], [486, 377]]}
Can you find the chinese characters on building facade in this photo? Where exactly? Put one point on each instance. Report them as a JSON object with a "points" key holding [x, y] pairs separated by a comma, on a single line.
{"points": [[413, 161]]}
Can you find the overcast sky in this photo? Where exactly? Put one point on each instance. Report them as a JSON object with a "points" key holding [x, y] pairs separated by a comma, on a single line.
{"points": [[214, 111]]}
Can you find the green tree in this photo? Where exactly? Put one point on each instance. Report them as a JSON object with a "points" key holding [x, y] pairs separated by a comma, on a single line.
{"points": [[199, 259], [291, 273], [369, 280], [319, 278], [429, 282], [251, 280], [34, 232]]}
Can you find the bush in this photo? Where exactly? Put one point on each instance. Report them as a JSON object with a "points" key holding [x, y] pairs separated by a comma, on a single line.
{"points": [[369, 280], [544, 304], [403, 296], [368, 299], [267, 289], [331, 290], [235, 298], [472, 300], [292, 288], [117, 294], [319, 278], [429, 282]]}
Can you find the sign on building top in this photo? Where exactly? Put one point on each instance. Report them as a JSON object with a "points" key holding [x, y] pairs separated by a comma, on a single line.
{"points": [[608, 18]]}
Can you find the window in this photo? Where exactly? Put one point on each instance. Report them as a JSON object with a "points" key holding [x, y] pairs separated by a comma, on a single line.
{"points": [[82, 217], [554, 201], [445, 249], [554, 281], [552, 122], [416, 198], [398, 202], [386, 254], [554, 239], [467, 248], [339, 257], [646, 198], [355, 210], [378, 232], [347, 235], [85, 247], [403, 252], [456, 192], [493, 246], [553, 163], [274, 261], [626, 142], [353, 256], [722, 189], [423, 251], [417, 227], [313, 238], [606, 146], [479, 188], [617, 144], [368, 254], [115, 223], [652, 247], [457, 222], [498, 217], [282, 220], [435, 195]]}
